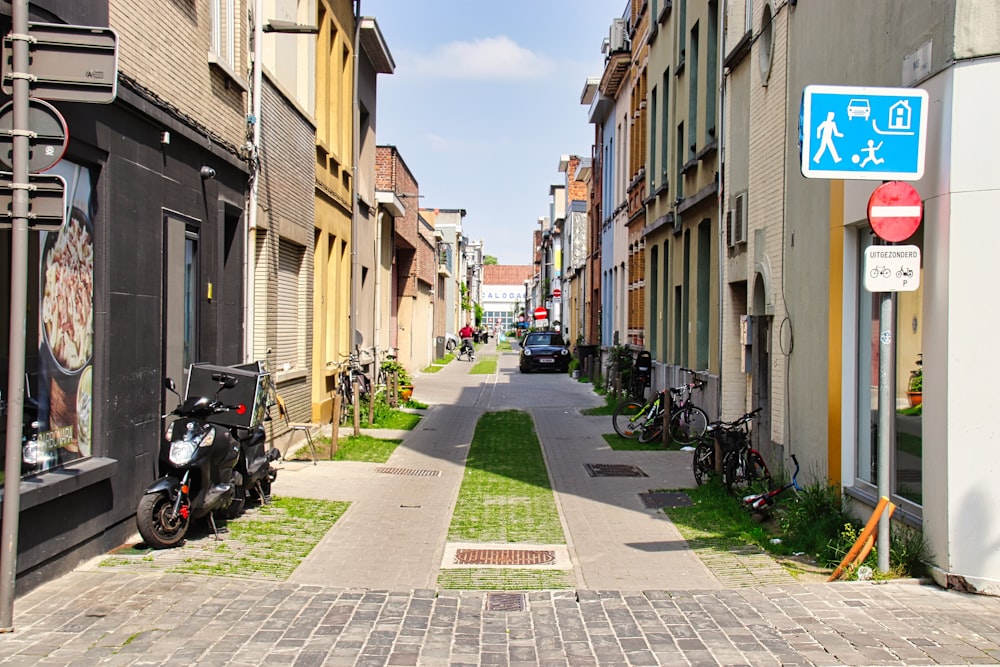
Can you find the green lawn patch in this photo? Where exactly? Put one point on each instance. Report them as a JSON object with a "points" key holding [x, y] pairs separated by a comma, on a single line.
{"points": [[433, 368], [607, 409], [499, 579], [350, 448], [485, 365], [267, 542], [504, 346], [505, 495]]}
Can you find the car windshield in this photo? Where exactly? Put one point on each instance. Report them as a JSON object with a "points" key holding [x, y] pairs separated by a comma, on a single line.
{"points": [[544, 339]]}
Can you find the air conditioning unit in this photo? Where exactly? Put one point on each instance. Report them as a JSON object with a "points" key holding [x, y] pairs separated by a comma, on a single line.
{"points": [[616, 38]]}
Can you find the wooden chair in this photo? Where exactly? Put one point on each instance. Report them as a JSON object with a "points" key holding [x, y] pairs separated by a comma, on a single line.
{"points": [[297, 426]]}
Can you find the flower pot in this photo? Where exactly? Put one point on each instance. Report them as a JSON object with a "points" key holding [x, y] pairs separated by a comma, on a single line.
{"points": [[405, 392], [915, 398]]}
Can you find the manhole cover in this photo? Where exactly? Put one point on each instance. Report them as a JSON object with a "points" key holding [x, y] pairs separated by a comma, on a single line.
{"points": [[613, 470], [660, 499], [505, 557], [416, 472], [505, 602]]}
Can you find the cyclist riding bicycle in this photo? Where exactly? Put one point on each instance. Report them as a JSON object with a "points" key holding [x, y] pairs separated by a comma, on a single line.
{"points": [[466, 333]]}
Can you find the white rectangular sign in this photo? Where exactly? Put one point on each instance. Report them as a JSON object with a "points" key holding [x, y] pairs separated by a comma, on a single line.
{"points": [[892, 268]]}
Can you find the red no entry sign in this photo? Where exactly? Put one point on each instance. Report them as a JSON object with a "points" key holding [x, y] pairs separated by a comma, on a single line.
{"points": [[556, 293], [541, 313], [895, 211]]}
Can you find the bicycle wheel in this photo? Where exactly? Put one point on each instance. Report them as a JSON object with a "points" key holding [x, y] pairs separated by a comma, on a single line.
{"points": [[627, 418], [745, 471], [652, 429], [688, 424], [703, 463]]}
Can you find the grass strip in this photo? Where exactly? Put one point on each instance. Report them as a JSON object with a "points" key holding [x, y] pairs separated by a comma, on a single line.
{"points": [[350, 448], [486, 365], [267, 542], [505, 579], [619, 443], [505, 494]]}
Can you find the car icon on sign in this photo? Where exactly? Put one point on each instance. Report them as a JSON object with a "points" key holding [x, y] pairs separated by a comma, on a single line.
{"points": [[858, 108]]}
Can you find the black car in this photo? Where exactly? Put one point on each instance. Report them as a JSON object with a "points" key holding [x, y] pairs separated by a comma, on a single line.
{"points": [[544, 350]]}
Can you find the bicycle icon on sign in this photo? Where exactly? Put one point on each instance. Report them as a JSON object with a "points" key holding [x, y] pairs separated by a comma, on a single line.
{"points": [[883, 271]]}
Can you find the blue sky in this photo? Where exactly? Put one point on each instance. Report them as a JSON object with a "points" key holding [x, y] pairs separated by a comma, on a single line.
{"points": [[485, 100]]}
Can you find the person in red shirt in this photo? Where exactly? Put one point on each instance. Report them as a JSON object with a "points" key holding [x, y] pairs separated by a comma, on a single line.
{"points": [[466, 333]]}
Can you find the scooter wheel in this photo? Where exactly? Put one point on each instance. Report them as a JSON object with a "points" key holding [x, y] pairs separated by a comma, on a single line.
{"points": [[156, 525], [236, 506]]}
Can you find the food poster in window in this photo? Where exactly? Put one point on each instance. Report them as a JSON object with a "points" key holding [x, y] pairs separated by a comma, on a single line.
{"points": [[66, 325]]}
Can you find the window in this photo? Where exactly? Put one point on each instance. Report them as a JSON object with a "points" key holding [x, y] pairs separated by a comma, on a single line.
{"points": [[652, 139], [681, 30], [665, 124], [223, 37], [766, 45], [711, 64], [693, 95], [704, 278], [290, 352]]}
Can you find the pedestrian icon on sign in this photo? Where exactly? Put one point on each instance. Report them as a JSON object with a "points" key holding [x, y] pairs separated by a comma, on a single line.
{"points": [[825, 132]]}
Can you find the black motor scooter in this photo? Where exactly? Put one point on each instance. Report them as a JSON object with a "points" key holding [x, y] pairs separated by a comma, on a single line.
{"points": [[196, 463], [253, 473]]}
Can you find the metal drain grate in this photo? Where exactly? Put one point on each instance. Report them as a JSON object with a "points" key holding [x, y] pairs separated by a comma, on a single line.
{"points": [[613, 470], [505, 557], [413, 472], [655, 500], [505, 602]]}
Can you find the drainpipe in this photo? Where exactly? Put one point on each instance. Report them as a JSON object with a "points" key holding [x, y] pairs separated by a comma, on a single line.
{"points": [[250, 231], [355, 195], [721, 120]]}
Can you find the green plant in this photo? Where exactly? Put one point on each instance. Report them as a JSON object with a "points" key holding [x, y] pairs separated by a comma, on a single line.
{"points": [[390, 366], [574, 364], [916, 382]]}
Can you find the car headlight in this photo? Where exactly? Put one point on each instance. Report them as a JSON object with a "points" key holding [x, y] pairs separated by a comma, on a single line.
{"points": [[527, 352], [564, 352]]}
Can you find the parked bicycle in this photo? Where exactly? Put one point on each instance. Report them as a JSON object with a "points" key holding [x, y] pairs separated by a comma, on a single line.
{"points": [[743, 467], [741, 464], [644, 420]]}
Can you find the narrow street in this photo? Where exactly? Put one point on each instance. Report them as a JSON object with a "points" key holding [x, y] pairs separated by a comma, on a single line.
{"points": [[367, 593]]}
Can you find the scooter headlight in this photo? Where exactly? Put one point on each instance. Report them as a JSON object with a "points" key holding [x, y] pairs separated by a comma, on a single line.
{"points": [[183, 450]]}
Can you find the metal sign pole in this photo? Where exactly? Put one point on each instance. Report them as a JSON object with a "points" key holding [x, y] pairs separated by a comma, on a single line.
{"points": [[886, 415], [18, 315]]}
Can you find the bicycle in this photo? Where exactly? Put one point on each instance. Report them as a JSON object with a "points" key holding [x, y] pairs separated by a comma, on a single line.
{"points": [[629, 417], [635, 419], [743, 467], [759, 502], [688, 422], [730, 436]]}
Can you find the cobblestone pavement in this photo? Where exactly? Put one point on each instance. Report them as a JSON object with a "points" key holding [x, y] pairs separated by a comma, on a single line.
{"points": [[366, 594], [128, 618]]}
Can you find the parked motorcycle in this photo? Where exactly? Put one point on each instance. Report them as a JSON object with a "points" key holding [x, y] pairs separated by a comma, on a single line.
{"points": [[197, 462], [254, 472]]}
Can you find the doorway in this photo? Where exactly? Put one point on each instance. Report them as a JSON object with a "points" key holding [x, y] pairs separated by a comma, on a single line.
{"points": [[761, 369], [180, 298]]}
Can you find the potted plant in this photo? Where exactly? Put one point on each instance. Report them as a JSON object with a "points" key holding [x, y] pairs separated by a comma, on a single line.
{"points": [[915, 385], [403, 380]]}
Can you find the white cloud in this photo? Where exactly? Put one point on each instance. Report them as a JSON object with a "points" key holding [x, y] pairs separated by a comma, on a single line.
{"points": [[492, 58]]}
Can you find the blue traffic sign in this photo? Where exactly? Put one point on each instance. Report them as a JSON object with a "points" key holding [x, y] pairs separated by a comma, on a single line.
{"points": [[863, 133]]}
